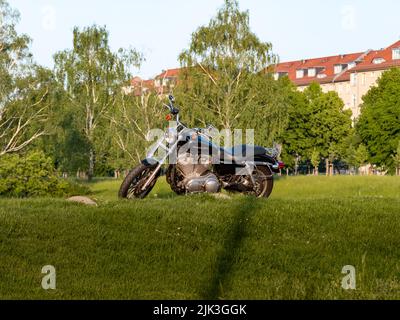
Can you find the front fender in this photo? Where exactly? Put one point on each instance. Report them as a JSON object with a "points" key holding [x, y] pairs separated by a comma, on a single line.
{"points": [[150, 162]]}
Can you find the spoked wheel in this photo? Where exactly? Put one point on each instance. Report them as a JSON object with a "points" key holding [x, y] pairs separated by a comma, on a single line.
{"points": [[264, 182], [132, 186]]}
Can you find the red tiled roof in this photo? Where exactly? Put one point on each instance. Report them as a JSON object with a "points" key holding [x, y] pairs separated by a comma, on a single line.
{"points": [[148, 83], [169, 73], [386, 54], [325, 65]]}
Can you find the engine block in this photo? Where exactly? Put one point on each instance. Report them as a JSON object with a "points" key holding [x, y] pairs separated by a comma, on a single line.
{"points": [[197, 174]]}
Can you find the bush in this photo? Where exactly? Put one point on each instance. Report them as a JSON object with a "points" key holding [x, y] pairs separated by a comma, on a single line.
{"points": [[33, 175]]}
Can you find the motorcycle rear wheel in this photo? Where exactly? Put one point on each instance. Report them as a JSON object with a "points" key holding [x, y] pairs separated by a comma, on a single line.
{"points": [[131, 187], [264, 182]]}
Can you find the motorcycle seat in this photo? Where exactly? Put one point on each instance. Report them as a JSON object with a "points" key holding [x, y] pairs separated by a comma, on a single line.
{"points": [[241, 152]]}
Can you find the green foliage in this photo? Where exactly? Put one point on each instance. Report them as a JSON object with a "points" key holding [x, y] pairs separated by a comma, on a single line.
{"points": [[378, 125], [361, 155], [14, 53], [315, 158], [223, 81], [317, 121], [32, 175], [227, 43], [396, 159], [92, 77], [24, 87], [132, 120]]}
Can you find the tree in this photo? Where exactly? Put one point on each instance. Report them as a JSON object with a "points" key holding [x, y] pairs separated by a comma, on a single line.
{"points": [[378, 125], [133, 119], [317, 121], [223, 81], [23, 94], [396, 159], [361, 156], [315, 160], [296, 141], [92, 77]]}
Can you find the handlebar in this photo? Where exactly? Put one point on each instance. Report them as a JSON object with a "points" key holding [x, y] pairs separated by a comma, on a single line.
{"points": [[174, 111]]}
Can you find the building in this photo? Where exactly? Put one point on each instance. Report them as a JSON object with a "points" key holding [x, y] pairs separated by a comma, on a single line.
{"points": [[166, 81], [162, 84], [350, 75], [139, 87]]}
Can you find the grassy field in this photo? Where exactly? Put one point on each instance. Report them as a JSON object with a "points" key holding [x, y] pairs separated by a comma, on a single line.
{"points": [[292, 246]]}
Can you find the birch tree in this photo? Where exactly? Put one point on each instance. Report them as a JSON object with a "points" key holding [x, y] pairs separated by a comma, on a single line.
{"points": [[223, 71], [23, 97], [93, 77]]}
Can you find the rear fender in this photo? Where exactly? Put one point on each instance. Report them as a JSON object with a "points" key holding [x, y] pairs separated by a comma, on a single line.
{"points": [[265, 160]]}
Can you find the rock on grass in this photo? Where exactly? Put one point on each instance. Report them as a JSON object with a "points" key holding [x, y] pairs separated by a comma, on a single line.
{"points": [[84, 200]]}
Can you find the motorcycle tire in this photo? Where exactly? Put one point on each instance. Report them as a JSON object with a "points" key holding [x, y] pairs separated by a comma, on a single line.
{"points": [[130, 187], [267, 183]]}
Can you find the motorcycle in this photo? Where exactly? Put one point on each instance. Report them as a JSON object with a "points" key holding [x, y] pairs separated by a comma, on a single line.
{"points": [[195, 164]]}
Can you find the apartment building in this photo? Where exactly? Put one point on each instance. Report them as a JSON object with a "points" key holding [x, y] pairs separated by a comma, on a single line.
{"points": [[350, 75]]}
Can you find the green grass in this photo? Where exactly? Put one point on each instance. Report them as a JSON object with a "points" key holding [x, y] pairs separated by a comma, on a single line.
{"points": [[292, 246]]}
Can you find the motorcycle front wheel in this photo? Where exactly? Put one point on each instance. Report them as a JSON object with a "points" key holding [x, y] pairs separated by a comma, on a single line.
{"points": [[132, 186]]}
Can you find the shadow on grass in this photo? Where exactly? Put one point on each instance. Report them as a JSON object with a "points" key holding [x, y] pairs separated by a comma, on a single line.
{"points": [[234, 238]]}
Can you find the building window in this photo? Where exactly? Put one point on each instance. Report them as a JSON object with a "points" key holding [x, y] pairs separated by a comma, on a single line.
{"points": [[299, 73], [378, 61], [354, 100], [396, 54], [363, 79], [278, 75], [338, 68], [312, 72], [351, 65]]}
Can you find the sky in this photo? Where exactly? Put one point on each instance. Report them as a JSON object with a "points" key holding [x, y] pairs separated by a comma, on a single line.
{"points": [[161, 29]]}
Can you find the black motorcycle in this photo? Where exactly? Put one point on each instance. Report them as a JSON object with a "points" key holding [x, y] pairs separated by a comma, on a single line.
{"points": [[197, 165]]}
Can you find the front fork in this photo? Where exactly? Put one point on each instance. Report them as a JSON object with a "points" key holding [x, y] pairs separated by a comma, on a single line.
{"points": [[151, 160]]}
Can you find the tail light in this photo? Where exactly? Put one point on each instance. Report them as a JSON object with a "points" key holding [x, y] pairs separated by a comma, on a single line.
{"points": [[281, 165]]}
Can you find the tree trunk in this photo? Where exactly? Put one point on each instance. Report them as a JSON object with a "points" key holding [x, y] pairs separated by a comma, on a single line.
{"points": [[327, 165], [296, 166], [92, 159]]}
